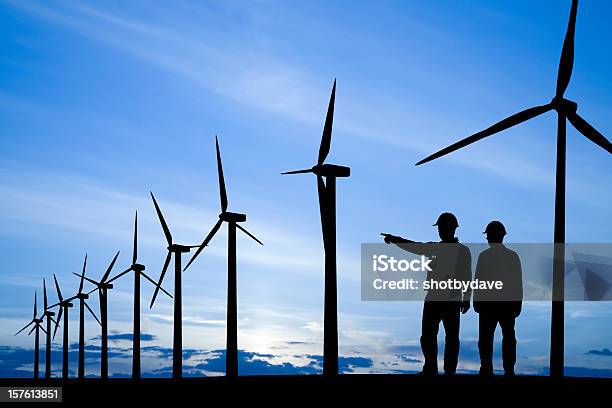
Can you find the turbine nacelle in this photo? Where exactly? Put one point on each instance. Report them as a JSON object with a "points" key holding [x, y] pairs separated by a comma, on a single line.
{"points": [[82, 296], [331, 170], [561, 104], [177, 248], [325, 170], [228, 216], [138, 267]]}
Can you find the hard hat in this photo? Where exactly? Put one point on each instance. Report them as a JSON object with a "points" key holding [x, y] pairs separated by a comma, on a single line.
{"points": [[447, 219], [495, 227]]}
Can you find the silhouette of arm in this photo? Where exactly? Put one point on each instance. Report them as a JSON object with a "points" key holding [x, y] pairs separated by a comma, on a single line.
{"points": [[414, 247], [464, 269], [518, 279], [477, 276]]}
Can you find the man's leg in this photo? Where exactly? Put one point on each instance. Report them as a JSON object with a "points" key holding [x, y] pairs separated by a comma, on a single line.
{"points": [[429, 336], [451, 317], [486, 332], [508, 343]]}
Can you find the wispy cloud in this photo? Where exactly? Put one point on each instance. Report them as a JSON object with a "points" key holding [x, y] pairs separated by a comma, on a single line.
{"points": [[262, 81]]}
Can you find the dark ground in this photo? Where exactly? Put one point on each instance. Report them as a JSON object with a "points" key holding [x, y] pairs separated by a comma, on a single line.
{"points": [[312, 390]]}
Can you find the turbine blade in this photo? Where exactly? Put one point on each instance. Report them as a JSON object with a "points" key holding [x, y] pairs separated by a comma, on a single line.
{"points": [[147, 277], [210, 236], [589, 131], [24, 327], [59, 319], [110, 268], [31, 330], [45, 293], [248, 233], [83, 275], [496, 128], [135, 251], [92, 313], [298, 171], [162, 221], [59, 292], [92, 291], [327, 129], [322, 195], [86, 278], [566, 62], [161, 277], [222, 192], [34, 304], [120, 275], [42, 328]]}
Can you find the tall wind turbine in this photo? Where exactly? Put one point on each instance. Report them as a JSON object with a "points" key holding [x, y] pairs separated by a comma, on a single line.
{"points": [[102, 287], [327, 206], [178, 251], [64, 306], [233, 220], [82, 296], [566, 110], [138, 270], [49, 315], [36, 328]]}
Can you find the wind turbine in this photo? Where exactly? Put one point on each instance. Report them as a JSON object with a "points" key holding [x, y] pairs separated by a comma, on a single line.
{"points": [[566, 110], [102, 287], [178, 250], [36, 328], [49, 315], [327, 207], [138, 270], [82, 296], [64, 305], [233, 220]]}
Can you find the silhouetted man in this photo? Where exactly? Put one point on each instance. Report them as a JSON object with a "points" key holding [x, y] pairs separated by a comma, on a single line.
{"points": [[451, 260], [503, 306]]}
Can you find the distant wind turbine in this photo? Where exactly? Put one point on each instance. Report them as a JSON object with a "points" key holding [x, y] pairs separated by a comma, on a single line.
{"points": [[82, 296], [178, 251], [64, 305], [327, 207], [49, 315], [102, 287], [233, 220], [138, 270], [566, 110], [36, 328]]}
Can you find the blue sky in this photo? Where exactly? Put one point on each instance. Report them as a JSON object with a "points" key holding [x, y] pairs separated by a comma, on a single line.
{"points": [[101, 102]]}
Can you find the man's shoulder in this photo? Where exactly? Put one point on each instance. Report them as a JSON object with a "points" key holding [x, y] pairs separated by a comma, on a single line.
{"points": [[486, 253], [464, 248]]}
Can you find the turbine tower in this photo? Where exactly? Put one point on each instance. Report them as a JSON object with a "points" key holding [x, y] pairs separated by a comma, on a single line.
{"points": [[566, 110], [327, 206], [178, 250], [36, 328], [49, 315], [232, 219], [64, 305], [102, 287], [138, 270], [82, 296]]}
